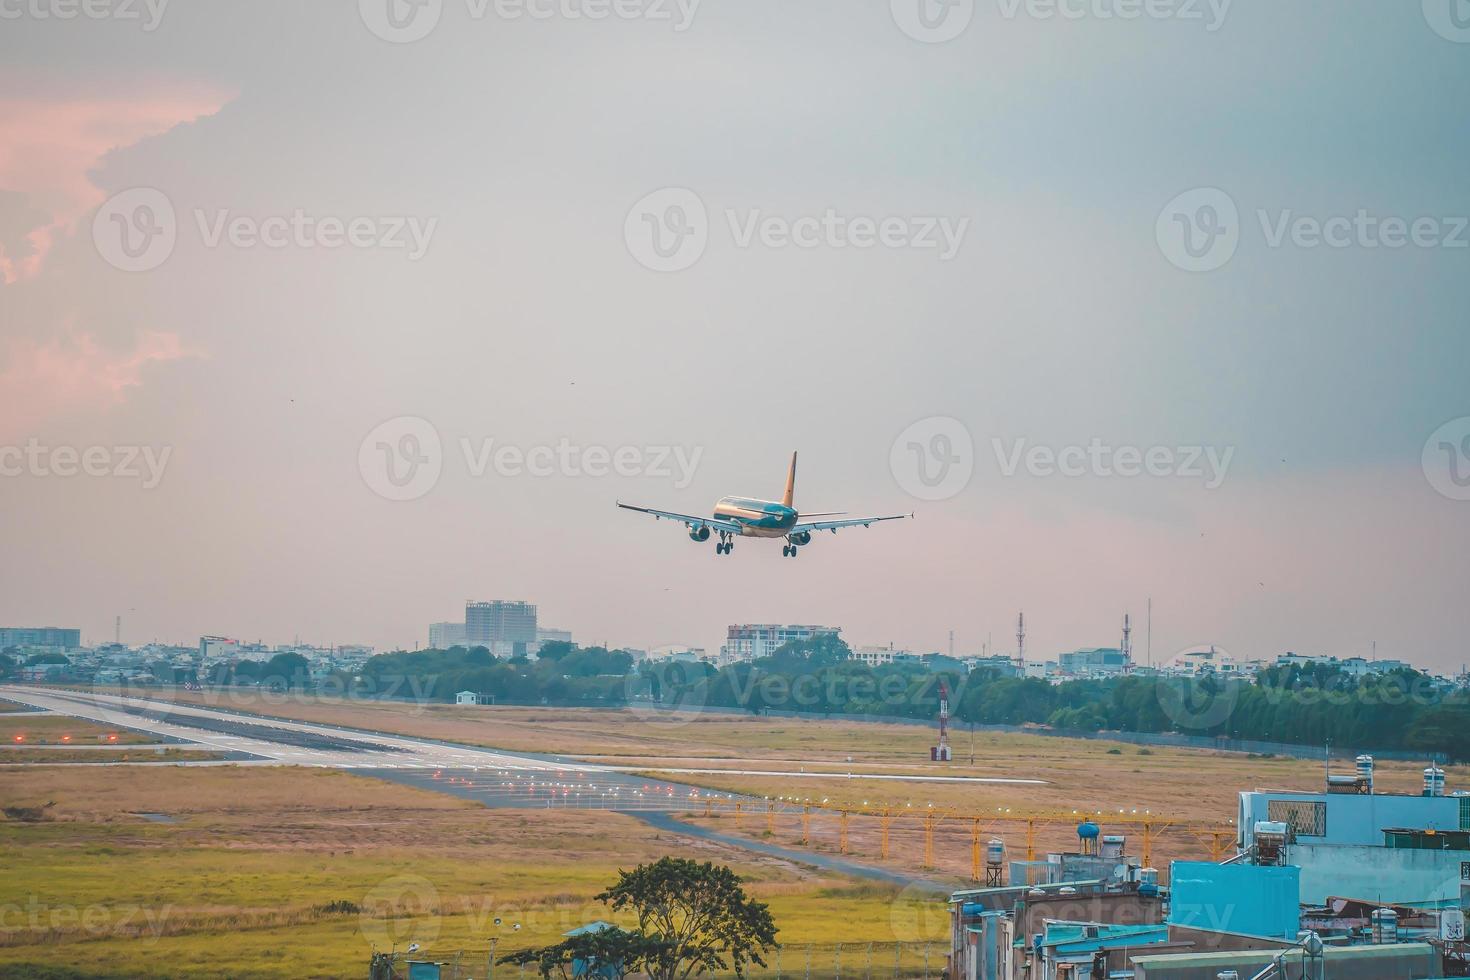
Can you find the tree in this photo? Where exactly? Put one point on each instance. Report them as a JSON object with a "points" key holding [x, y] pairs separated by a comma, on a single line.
{"points": [[609, 954], [290, 669], [699, 914]]}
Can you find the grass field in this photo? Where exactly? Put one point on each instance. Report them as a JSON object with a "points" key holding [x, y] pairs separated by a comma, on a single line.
{"points": [[273, 873], [61, 730], [13, 756], [1185, 785]]}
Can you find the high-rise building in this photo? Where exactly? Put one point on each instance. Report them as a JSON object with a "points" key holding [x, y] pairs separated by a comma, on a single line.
{"points": [[43, 636], [754, 640], [505, 628], [442, 636]]}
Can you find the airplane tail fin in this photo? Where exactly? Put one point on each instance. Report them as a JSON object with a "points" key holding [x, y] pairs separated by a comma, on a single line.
{"points": [[790, 494]]}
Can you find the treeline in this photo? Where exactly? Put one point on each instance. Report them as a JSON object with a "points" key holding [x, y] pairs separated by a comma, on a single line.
{"points": [[560, 674], [1402, 710]]}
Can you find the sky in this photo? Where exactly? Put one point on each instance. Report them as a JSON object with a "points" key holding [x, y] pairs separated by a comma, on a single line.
{"points": [[318, 320]]}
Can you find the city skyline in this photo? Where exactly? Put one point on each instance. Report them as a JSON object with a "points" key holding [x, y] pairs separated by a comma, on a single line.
{"points": [[392, 347]]}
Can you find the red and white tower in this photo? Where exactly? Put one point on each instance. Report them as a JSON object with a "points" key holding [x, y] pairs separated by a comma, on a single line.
{"points": [[940, 752]]}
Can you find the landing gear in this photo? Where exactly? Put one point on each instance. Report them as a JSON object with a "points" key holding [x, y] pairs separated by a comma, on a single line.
{"points": [[789, 551], [724, 545]]}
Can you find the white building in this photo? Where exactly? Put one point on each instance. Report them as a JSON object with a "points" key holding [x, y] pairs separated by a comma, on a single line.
{"points": [[216, 648], [753, 641], [877, 656], [442, 636], [545, 634], [470, 697]]}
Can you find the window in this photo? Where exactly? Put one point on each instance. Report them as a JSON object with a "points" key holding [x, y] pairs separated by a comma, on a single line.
{"points": [[1305, 819]]}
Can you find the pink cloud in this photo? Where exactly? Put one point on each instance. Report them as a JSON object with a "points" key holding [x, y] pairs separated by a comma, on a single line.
{"points": [[50, 147], [74, 373]]}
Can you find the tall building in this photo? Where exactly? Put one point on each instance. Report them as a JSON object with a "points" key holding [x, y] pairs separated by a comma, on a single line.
{"points": [[506, 628], [442, 636], [43, 636], [752, 641]]}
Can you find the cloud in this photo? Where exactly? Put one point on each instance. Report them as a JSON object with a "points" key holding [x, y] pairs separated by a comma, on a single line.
{"points": [[75, 373], [50, 149]]}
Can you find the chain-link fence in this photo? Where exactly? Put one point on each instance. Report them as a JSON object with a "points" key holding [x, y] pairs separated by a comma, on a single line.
{"points": [[796, 961]]}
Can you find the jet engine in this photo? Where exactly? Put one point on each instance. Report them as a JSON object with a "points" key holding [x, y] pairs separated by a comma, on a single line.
{"points": [[700, 533], [801, 538]]}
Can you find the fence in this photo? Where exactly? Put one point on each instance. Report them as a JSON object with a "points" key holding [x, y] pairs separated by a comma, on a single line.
{"points": [[798, 961]]}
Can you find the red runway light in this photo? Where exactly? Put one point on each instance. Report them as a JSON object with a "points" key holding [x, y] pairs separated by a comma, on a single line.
{"points": [[112, 738], [20, 738], [66, 738]]}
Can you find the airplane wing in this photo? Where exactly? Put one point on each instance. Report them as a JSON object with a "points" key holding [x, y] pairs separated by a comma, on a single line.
{"points": [[833, 526], [693, 523]]}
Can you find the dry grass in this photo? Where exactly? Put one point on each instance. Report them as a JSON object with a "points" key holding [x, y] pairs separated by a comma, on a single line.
{"points": [[10, 756], [249, 878], [57, 729]]}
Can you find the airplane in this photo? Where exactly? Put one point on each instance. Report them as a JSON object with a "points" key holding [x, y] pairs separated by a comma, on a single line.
{"points": [[742, 517]]}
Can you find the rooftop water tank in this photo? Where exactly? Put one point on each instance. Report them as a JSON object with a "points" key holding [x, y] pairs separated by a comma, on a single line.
{"points": [[1385, 926], [1365, 770], [1434, 781], [995, 852]]}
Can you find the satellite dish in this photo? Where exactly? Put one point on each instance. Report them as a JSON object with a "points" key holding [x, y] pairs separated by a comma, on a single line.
{"points": [[413, 947]]}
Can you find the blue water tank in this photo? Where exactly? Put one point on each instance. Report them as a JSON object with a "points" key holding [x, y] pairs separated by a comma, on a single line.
{"points": [[1087, 830]]}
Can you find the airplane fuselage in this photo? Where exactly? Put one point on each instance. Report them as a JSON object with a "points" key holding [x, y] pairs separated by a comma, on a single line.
{"points": [[757, 518]]}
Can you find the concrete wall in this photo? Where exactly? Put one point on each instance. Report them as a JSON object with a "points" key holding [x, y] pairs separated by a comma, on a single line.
{"points": [[1378, 874], [1411, 961], [1353, 819]]}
